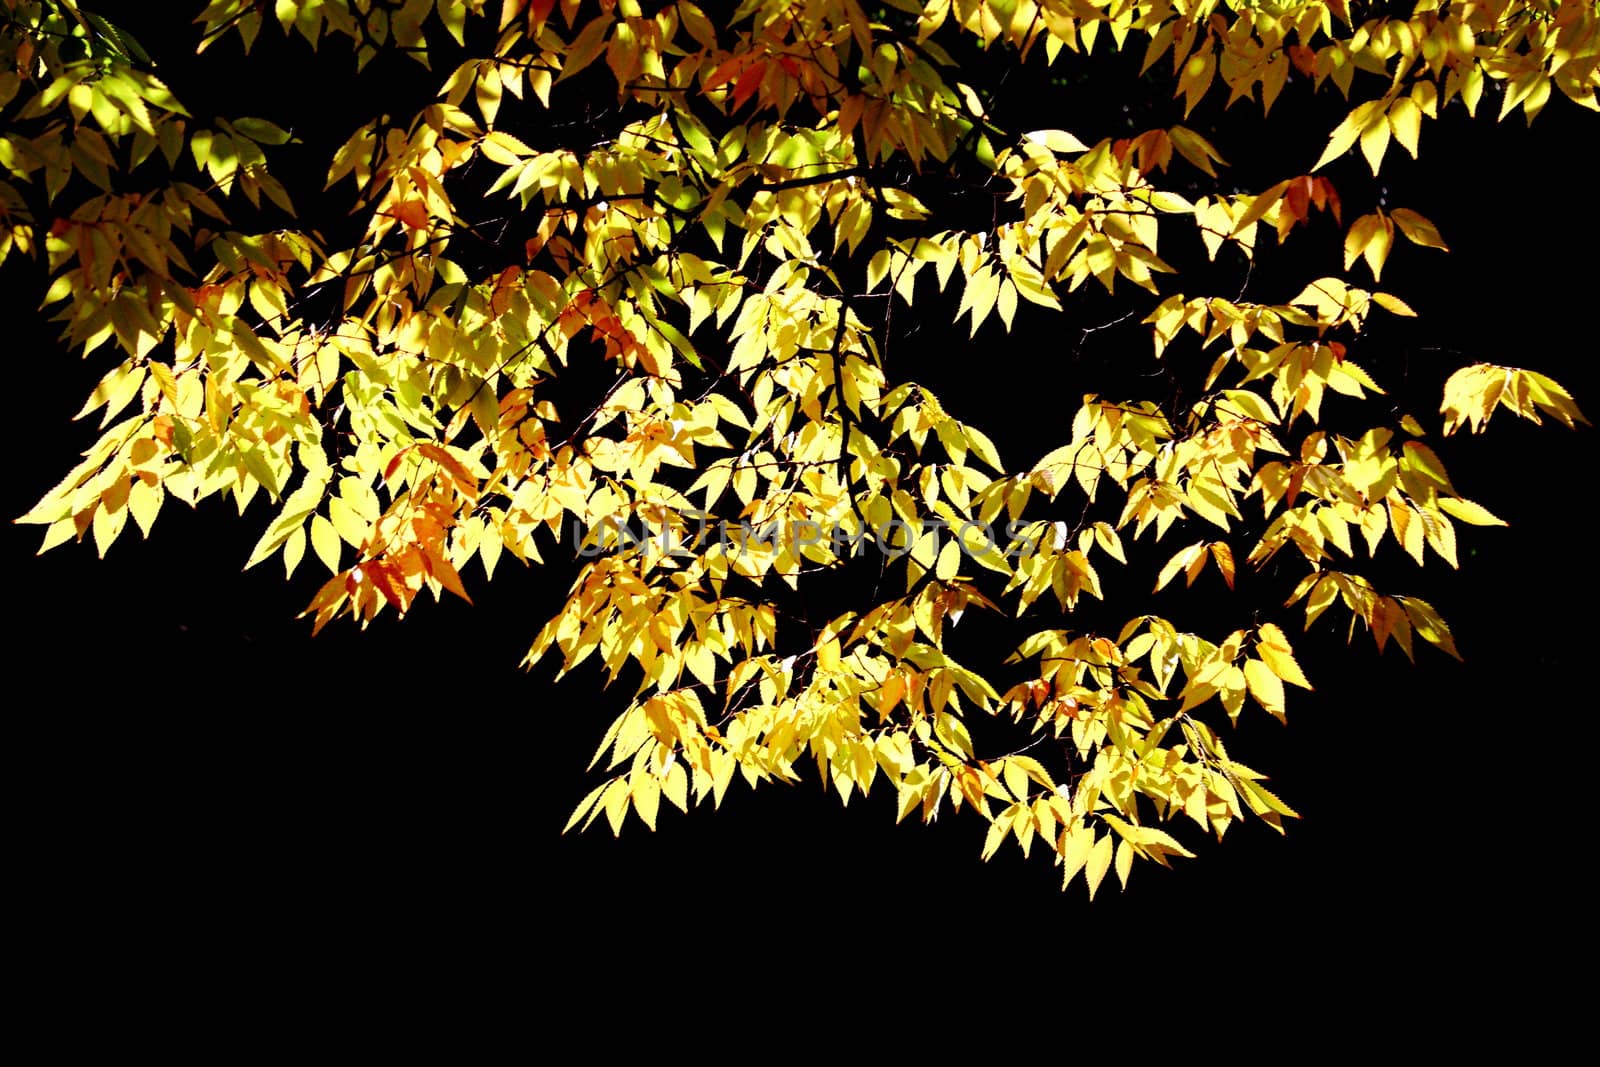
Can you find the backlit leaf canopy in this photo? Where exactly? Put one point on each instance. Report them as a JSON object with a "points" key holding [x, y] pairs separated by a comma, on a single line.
{"points": [[714, 213]]}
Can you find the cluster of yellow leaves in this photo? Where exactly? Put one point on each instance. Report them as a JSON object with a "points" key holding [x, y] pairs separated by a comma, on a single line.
{"points": [[709, 246]]}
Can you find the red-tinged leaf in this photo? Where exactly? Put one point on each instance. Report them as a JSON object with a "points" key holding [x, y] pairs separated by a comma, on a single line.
{"points": [[1385, 614], [1297, 479], [387, 582], [749, 81], [725, 73], [538, 12], [394, 464], [1328, 199], [1298, 198]]}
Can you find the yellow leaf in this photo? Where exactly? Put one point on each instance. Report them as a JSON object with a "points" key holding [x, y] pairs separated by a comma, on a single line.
{"points": [[1417, 229], [1374, 140], [325, 542], [1468, 512], [1273, 647], [347, 522], [144, 501], [1346, 133], [1199, 151], [997, 832], [676, 786], [877, 268], [983, 289], [1371, 236], [1058, 141], [982, 447], [1193, 82], [502, 148], [1184, 558], [1405, 120], [1394, 305], [1099, 862], [902, 205], [1124, 862], [1429, 625], [1377, 250], [1265, 686], [584, 805], [615, 803], [1078, 842], [1007, 303], [646, 792], [1260, 206]]}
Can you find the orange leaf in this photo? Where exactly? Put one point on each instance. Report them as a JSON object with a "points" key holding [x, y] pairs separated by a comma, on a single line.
{"points": [[1224, 557], [454, 466], [1326, 197], [726, 73], [414, 213], [441, 568], [334, 592]]}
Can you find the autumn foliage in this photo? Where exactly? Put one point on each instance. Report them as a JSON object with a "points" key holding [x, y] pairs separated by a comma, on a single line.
{"points": [[725, 234]]}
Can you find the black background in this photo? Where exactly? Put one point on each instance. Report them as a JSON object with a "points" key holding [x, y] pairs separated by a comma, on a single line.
{"points": [[209, 801]]}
